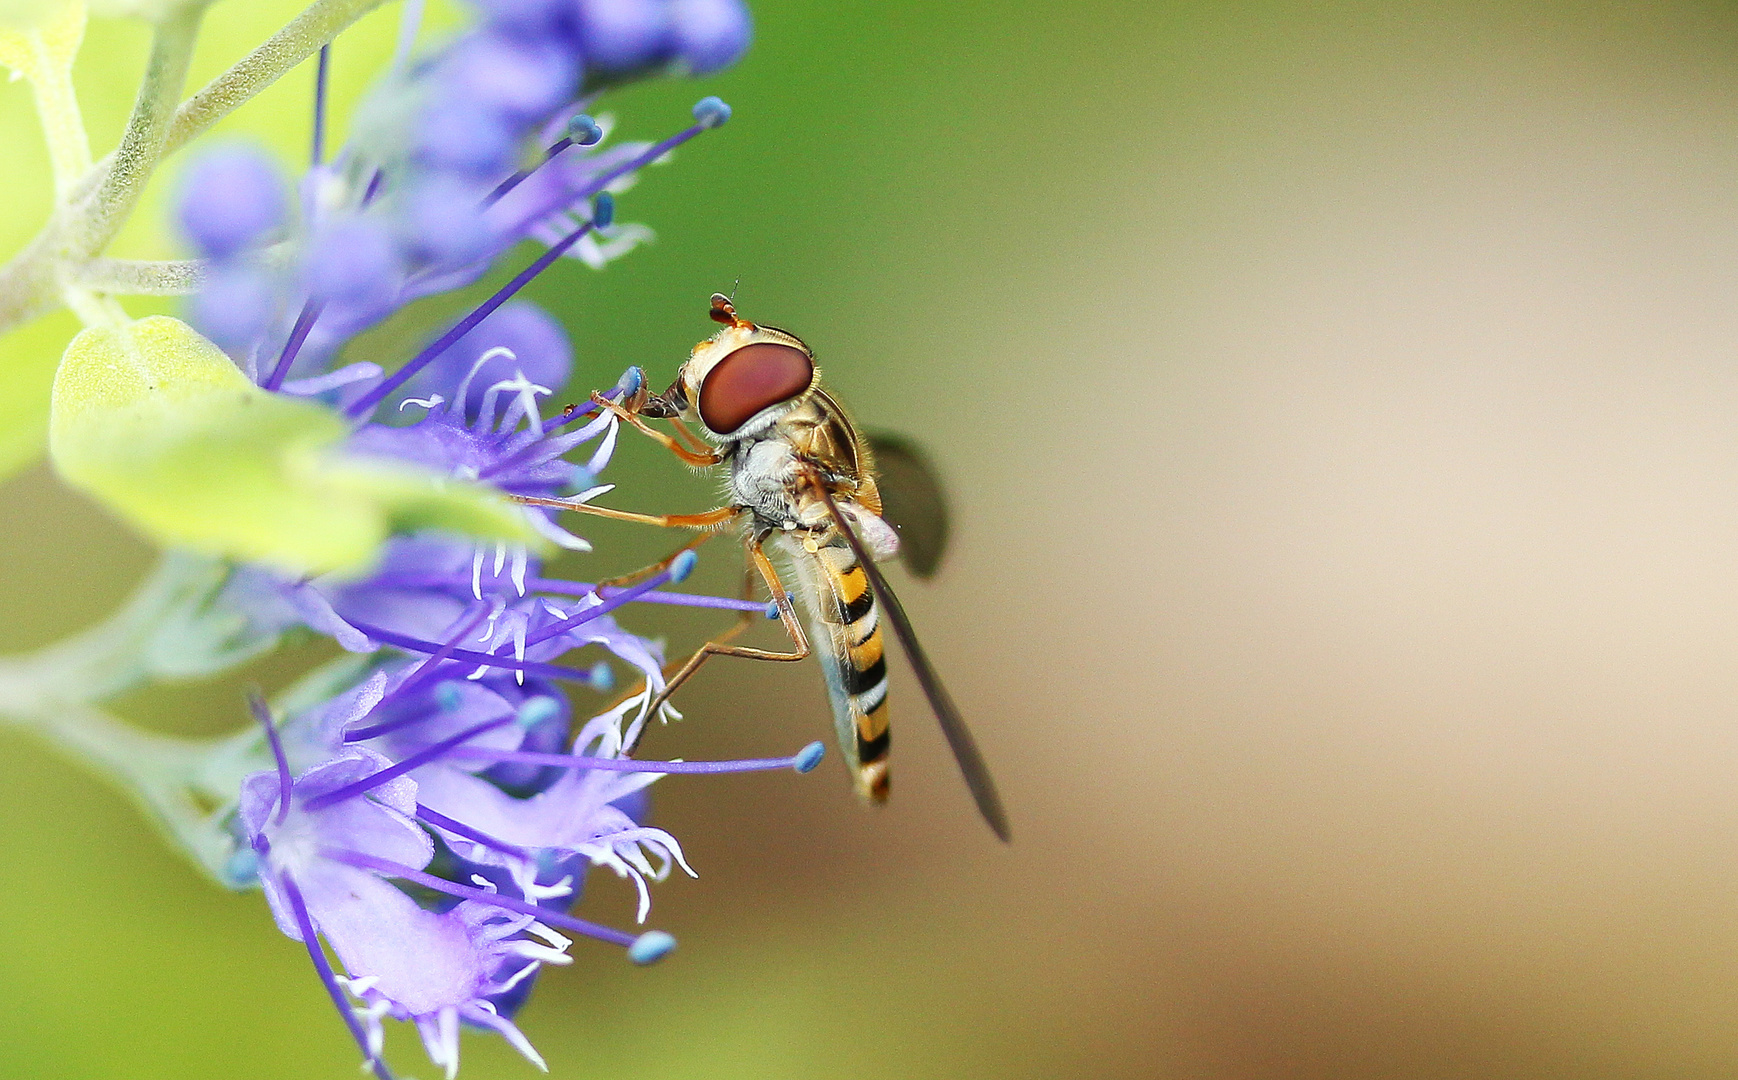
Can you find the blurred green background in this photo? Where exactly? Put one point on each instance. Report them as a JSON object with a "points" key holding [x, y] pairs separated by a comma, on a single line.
{"points": [[1339, 407]]}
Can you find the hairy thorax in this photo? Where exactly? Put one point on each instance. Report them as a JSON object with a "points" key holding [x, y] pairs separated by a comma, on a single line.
{"points": [[763, 475]]}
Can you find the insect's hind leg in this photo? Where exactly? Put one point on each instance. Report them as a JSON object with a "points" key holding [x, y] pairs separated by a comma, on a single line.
{"points": [[787, 615]]}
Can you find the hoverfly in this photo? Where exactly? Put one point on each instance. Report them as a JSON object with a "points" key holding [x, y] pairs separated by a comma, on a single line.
{"points": [[800, 477]]}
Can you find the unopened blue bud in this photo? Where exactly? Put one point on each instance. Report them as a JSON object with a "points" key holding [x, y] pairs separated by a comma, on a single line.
{"points": [[231, 198], [584, 130], [536, 710], [683, 565], [242, 869], [772, 609], [603, 210], [711, 112], [650, 947], [809, 757], [631, 380], [601, 677]]}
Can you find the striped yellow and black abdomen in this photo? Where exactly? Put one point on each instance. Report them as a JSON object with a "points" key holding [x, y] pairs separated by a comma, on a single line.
{"points": [[846, 623]]}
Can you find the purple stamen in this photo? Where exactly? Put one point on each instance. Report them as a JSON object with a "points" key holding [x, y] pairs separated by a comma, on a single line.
{"points": [[580, 588], [459, 828], [417, 760], [415, 681], [656, 151], [327, 976], [452, 888], [293, 345], [570, 588], [529, 667], [320, 104], [809, 756], [590, 408], [547, 444], [263, 713], [519, 177], [633, 592], [363, 404]]}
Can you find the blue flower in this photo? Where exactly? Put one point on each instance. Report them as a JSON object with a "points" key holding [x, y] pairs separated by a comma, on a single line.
{"points": [[433, 819]]}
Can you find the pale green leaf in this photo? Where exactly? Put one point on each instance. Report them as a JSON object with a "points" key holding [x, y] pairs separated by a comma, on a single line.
{"points": [[155, 422], [40, 36], [28, 357]]}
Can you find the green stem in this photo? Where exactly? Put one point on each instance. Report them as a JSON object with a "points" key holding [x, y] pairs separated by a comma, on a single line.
{"points": [[30, 280], [117, 654], [301, 38], [147, 130], [50, 694], [160, 773], [143, 277], [69, 148]]}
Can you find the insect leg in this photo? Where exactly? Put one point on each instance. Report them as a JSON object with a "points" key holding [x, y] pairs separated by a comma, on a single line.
{"points": [[711, 519], [787, 615], [688, 437], [692, 457]]}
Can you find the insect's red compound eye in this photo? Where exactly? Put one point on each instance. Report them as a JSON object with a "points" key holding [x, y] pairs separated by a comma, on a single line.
{"points": [[750, 379]]}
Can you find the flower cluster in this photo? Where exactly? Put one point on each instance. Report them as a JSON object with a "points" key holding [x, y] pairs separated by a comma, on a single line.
{"points": [[433, 819], [428, 192]]}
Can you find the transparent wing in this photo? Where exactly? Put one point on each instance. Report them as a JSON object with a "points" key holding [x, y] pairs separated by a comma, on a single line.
{"points": [[911, 501], [953, 725]]}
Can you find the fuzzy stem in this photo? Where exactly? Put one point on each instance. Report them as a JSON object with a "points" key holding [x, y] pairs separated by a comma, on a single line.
{"points": [[29, 281], [52, 692], [301, 38], [159, 773], [69, 148], [143, 277], [147, 130]]}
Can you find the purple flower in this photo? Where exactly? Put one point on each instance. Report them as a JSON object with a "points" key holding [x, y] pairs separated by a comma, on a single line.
{"points": [[230, 199], [320, 867], [398, 796], [710, 34], [431, 813]]}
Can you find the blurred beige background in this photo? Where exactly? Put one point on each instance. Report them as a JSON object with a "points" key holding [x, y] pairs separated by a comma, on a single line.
{"points": [[1341, 408]]}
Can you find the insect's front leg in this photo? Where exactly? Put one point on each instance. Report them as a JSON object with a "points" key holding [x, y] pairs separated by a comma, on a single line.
{"points": [[692, 457], [710, 519]]}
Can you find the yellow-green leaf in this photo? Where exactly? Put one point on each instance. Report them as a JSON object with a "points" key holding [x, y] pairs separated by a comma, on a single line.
{"points": [[155, 422], [28, 357], [40, 36]]}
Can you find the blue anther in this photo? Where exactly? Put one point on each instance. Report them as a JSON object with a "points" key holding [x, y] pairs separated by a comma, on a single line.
{"points": [[603, 210], [583, 130], [650, 947], [536, 710], [711, 112], [772, 609], [809, 757], [242, 869], [631, 380], [601, 677], [447, 696], [683, 565]]}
